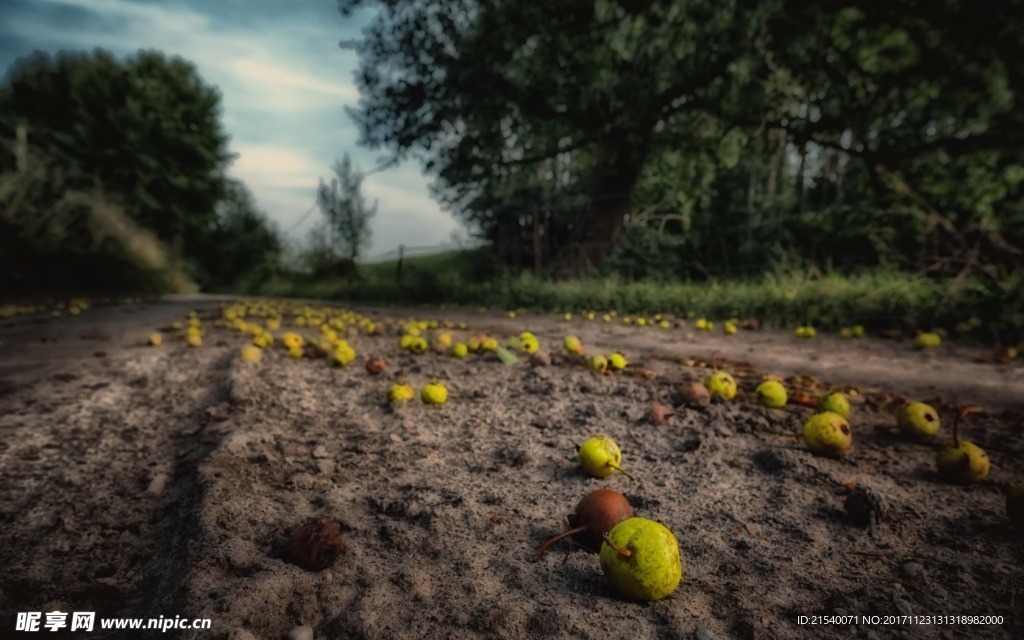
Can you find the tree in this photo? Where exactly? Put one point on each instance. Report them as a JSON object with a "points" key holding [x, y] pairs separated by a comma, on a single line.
{"points": [[927, 99], [245, 247], [145, 131], [345, 211], [478, 90]]}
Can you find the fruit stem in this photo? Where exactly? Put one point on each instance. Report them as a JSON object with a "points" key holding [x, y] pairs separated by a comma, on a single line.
{"points": [[569, 532], [621, 470], [621, 550]]}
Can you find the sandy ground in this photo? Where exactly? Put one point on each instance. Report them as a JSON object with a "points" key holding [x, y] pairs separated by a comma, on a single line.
{"points": [[146, 481]]}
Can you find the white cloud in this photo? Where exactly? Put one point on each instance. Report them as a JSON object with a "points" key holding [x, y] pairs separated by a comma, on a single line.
{"points": [[268, 76], [275, 166]]}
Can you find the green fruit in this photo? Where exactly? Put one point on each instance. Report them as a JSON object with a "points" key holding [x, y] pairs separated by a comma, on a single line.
{"points": [[460, 350], [1015, 505], [434, 393], [400, 393], [771, 394], [617, 361], [927, 340], [600, 456], [918, 419], [827, 434], [721, 384], [835, 402], [857, 331], [598, 363], [641, 559], [965, 463], [846, 332]]}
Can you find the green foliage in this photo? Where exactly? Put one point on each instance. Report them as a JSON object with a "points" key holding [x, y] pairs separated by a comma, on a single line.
{"points": [[345, 211], [244, 247], [713, 138], [317, 258], [486, 93], [879, 299], [145, 131], [133, 156], [58, 239]]}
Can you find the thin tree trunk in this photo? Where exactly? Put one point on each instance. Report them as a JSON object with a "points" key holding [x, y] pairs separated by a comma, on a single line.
{"points": [[538, 265], [777, 154], [800, 178], [826, 176]]}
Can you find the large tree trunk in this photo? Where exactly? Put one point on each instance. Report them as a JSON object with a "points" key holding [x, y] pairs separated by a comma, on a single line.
{"points": [[598, 227]]}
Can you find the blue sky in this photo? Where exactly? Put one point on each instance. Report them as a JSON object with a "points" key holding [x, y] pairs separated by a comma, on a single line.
{"points": [[284, 81]]}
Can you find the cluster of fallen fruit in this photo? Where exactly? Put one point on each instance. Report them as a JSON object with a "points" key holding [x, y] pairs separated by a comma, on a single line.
{"points": [[640, 557]]}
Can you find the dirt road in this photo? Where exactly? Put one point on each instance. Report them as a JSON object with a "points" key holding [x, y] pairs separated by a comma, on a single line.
{"points": [[140, 481]]}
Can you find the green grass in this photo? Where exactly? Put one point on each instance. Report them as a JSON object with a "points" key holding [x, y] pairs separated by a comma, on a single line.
{"points": [[878, 299], [447, 261]]}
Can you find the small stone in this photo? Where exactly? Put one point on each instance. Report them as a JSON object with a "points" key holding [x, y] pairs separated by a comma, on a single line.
{"points": [[703, 633], [902, 606], [325, 467], [939, 592], [305, 632], [542, 423], [924, 598], [320, 451], [721, 430], [241, 634], [157, 484], [912, 569]]}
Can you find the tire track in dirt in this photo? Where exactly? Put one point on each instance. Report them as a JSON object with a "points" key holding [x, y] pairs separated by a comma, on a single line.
{"points": [[93, 472]]}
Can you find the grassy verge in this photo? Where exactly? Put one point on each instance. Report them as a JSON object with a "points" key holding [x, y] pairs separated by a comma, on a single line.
{"points": [[879, 300]]}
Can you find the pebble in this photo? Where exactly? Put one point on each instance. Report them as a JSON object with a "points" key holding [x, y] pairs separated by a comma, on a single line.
{"points": [[325, 467], [241, 634], [703, 633], [320, 451], [912, 569], [542, 423], [939, 592], [924, 598], [304, 632], [722, 431], [902, 606], [158, 484]]}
